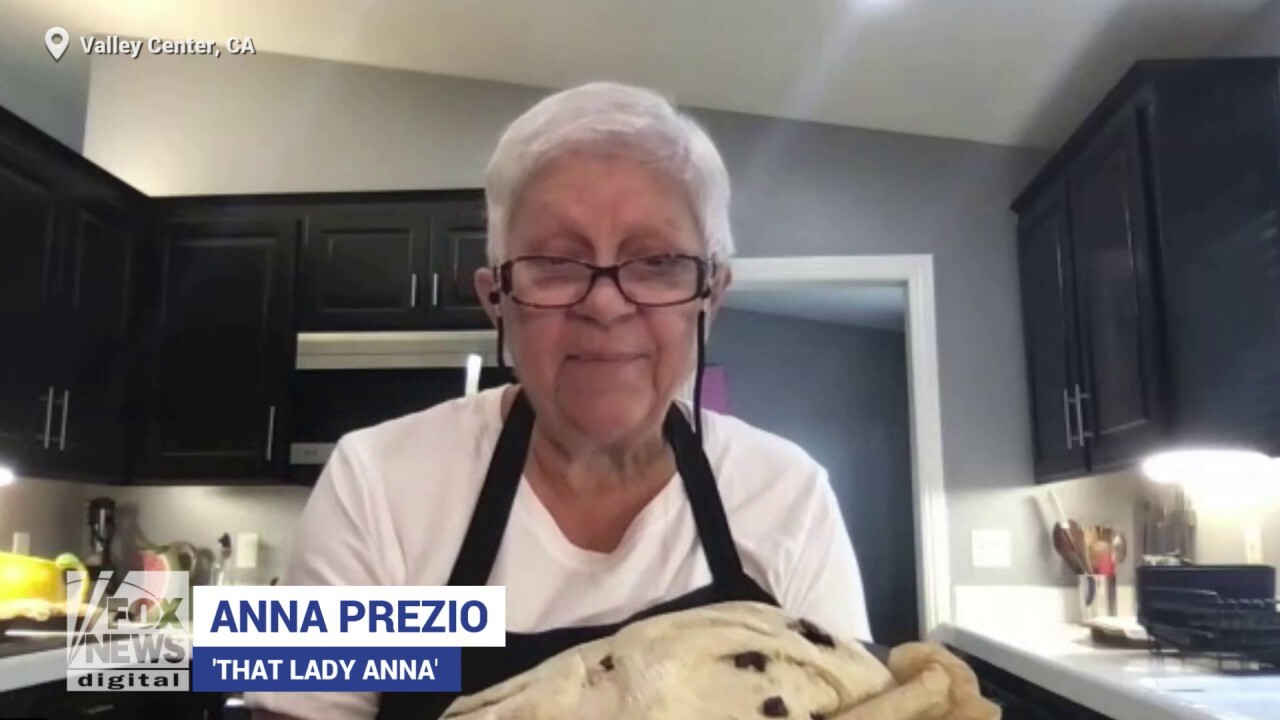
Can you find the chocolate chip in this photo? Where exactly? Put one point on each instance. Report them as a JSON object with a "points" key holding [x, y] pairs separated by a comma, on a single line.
{"points": [[606, 662], [774, 707], [817, 716], [813, 633], [750, 659]]}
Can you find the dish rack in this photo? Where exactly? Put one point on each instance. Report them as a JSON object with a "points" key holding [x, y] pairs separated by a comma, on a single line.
{"points": [[1189, 622]]}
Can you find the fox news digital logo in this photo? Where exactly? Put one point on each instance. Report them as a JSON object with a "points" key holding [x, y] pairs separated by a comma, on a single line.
{"points": [[132, 634]]}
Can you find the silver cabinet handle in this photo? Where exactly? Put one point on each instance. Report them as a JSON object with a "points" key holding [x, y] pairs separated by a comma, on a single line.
{"points": [[413, 291], [435, 289], [48, 416], [1066, 415], [1080, 414], [62, 436], [271, 430]]}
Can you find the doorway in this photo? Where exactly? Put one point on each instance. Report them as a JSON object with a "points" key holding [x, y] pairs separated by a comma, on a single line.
{"points": [[838, 354]]}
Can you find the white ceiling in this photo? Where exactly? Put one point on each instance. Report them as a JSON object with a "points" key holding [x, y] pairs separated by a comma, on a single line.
{"points": [[880, 307], [1013, 72]]}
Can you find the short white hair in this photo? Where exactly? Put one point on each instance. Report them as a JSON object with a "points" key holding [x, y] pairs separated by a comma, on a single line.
{"points": [[611, 117]]}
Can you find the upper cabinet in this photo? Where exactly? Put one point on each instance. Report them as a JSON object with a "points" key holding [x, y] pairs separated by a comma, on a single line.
{"points": [[220, 348], [1117, 393], [459, 248], [364, 266], [68, 241], [1149, 255], [375, 265]]}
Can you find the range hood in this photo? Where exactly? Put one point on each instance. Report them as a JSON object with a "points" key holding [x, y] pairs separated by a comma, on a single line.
{"points": [[397, 350]]}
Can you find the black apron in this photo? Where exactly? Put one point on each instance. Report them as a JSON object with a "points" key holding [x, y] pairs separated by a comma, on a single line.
{"points": [[484, 667]]}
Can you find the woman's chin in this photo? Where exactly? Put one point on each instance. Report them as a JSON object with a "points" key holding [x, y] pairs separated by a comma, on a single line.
{"points": [[607, 417]]}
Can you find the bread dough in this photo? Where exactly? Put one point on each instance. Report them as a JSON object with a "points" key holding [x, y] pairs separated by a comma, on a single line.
{"points": [[723, 662]]}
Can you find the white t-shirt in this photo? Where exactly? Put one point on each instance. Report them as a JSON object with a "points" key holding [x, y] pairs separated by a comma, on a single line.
{"points": [[393, 504]]}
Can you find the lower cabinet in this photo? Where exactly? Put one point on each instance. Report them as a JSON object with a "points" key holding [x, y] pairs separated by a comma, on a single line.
{"points": [[1021, 700], [52, 701]]}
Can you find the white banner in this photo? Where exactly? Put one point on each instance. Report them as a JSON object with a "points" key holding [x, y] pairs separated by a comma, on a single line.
{"points": [[349, 616]]}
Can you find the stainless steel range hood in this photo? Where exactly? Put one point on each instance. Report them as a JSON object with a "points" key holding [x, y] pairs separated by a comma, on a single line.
{"points": [[391, 350]]}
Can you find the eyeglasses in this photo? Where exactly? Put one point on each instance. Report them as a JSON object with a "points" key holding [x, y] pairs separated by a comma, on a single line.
{"points": [[545, 281]]}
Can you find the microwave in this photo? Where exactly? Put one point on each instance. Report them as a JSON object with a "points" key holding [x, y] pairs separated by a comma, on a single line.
{"points": [[347, 381]]}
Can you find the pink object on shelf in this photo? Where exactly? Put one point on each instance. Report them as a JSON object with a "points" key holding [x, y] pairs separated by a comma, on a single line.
{"points": [[715, 390]]}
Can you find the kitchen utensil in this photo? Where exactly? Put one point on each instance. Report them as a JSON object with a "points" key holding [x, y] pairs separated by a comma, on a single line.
{"points": [[1066, 548], [1072, 547], [1097, 595], [219, 573], [102, 531], [1100, 556], [1081, 545], [1119, 548]]}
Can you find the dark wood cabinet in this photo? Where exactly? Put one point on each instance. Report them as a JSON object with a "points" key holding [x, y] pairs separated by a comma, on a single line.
{"points": [[373, 265], [1019, 699], [28, 263], [1049, 326], [366, 267], [1119, 394], [68, 233], [459, 249], [1149, 249], [93, 346], [221, 350], [1089, 295]]}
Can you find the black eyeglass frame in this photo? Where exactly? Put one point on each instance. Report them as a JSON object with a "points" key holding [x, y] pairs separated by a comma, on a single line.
{"points": [[706, 273]]}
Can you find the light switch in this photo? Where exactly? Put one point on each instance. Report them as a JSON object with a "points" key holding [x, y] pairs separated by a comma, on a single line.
{"points": [[247, 551], [21, 543], [992, 549]]}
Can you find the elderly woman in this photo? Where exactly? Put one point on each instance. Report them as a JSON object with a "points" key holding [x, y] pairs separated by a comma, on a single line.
{"points": [[592, 490]]}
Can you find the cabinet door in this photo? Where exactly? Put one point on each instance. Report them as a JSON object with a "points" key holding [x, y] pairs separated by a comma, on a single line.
{"points": [[94, 325], [1121, 397], [28, 260], [365, 267], [223, 349], [459, 240], [1044, 257]]}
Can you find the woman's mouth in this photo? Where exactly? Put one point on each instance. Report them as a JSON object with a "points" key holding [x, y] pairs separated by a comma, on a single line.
{"points": [[605, 357]]}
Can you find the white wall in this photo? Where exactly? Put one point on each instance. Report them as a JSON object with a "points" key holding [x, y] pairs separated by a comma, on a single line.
{"points": [[50, 95], [1257, 36]]}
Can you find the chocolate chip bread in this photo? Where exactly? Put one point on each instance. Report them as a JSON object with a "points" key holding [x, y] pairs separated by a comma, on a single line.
{"points": [[730, 661]]}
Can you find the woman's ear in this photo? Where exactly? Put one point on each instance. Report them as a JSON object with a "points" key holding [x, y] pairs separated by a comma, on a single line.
{"points": [[487, 291], [719, 286]]}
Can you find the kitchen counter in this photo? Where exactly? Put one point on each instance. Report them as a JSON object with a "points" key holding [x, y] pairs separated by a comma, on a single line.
{"points": [[1122, 684], [38, 662]]}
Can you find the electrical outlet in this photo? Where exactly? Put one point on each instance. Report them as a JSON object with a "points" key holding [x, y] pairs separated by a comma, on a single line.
{"points": [[992, 549]]}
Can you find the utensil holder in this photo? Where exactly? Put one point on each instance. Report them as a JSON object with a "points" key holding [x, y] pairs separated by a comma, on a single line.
{"points": [[1097, 596]]}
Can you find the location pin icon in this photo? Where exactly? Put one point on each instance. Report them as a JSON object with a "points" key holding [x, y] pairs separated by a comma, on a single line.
{"points": [[56, 40]]}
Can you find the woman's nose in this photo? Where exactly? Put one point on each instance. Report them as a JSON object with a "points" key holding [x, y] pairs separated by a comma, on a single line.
{"points": [[604, 301]]}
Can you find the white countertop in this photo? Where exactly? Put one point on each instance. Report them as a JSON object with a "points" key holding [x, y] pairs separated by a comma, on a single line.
{"points": [[1119, 683], [33, 668]]}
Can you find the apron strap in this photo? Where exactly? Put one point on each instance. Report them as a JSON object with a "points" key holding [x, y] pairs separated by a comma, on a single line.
{"points": [[489, 520], [704, 498]]}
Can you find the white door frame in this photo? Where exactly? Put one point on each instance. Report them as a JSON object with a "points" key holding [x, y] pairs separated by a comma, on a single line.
{"points": [[915, 273]]}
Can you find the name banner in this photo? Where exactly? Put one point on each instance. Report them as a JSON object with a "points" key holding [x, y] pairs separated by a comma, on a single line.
{"points": [[340, 639]]}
